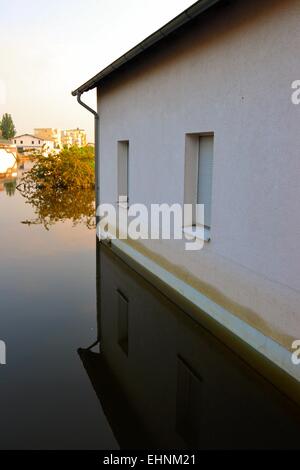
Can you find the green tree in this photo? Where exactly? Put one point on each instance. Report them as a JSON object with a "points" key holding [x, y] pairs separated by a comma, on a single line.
{"points": [[73, 167], [7, 127], [61, 187]]}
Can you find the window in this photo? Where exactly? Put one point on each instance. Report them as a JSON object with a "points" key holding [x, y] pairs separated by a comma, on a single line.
{"points": [[39, 141], [32, 142], [21, 141], [199, 152], [205, 173], [15, 141], [123, 322], [123, 172]]}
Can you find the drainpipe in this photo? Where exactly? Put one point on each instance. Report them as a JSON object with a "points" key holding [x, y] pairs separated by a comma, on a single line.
{"points": [[97, 153]]}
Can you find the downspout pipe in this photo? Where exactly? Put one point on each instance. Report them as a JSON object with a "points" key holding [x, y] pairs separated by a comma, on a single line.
{"points": [[97, 198], [97, 153]]}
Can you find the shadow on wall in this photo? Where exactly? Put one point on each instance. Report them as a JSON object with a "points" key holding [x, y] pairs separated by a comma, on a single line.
{"points": [[165, 382]]}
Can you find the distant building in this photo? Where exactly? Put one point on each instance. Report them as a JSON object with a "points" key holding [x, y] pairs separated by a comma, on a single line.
{"points": [[49, 147], [49, 134], [25, 141], [28, 142], [71, 137], [62, 138]]}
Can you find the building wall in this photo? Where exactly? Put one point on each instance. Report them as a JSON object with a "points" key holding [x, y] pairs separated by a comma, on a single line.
{"points": [[46, 133], [60, 137], [48, 147], [28, 141], [231, 74], [71, 137]]}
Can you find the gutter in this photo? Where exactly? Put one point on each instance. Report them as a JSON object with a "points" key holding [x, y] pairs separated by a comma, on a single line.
{"points": [[96, 124], [185, 17]]}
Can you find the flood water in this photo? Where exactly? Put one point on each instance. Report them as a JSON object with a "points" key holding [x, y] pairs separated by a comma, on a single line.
{"points": [[48, 311], [154, 379]]}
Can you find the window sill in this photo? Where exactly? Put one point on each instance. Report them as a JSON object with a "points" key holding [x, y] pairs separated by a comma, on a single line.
{"points": [[123, 205], [200, 232]]}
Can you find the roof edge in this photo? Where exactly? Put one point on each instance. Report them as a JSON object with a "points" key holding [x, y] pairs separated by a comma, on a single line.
{"points": [[187, 15], [28, 135]]}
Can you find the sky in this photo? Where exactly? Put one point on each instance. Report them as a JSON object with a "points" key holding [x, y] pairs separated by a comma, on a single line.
{"points": [[49, 48]]}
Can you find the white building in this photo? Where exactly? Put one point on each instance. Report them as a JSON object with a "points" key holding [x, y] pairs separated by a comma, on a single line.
{"points": [[201, 111], [28, 142]]}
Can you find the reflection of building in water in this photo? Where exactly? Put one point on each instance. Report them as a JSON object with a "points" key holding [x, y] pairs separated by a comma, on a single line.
{"points": [[10, 186], [165, 381], [25, 164]]}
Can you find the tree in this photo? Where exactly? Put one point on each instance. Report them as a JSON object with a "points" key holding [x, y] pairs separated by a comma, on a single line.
{"points": [[60, 187], [73, 167], [7, 127]]}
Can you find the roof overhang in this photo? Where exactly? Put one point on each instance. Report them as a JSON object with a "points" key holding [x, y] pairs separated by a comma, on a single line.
{"points": [[186, 16]]}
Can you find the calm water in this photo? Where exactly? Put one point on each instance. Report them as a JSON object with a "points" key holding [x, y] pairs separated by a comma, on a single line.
{"points": [[48, 311], [154, 379]]}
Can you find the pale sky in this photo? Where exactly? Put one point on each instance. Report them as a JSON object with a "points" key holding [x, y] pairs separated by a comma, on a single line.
{"points": [[49, 48]]}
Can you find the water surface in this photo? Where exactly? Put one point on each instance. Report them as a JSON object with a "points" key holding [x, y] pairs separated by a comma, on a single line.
{"points": [[47, 311], [154, 379]]}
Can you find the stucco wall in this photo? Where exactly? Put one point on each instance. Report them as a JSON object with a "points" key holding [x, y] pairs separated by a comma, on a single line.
{"points": [[28, 141], [231, 75]]}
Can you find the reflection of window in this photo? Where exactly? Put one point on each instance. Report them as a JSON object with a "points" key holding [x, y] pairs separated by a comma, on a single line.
{"points": [[123, 322], [188, 403]]}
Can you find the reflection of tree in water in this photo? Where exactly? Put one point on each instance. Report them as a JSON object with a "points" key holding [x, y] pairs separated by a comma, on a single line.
{"points": [[61, 187], [10, 187], [55, 205]]}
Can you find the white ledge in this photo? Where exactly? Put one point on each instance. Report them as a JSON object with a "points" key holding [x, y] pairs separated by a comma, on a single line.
{"points": [[198, 231]]}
